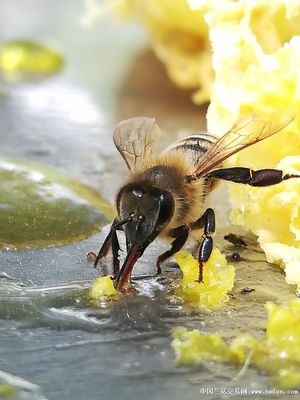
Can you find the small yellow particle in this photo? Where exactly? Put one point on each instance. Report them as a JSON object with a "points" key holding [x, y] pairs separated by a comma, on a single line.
{"points": [[102, 289], [6, 391], [218, 279]]}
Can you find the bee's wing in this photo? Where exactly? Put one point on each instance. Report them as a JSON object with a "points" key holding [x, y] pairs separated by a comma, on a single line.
{"points": [[134, 138], [246, 132]]}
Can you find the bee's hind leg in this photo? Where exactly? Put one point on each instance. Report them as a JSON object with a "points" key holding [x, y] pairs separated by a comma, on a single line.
{"points": [[247, 176], [208, 222], [180, 234]]}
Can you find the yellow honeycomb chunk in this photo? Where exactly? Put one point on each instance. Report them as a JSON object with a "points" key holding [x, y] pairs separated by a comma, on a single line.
{"points": [[218, 279]]}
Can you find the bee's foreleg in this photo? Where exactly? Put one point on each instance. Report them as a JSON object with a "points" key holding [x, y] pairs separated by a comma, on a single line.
{"points": [[115, 246], [247, 176], [108, 242], [208, 222], [180, 234]]}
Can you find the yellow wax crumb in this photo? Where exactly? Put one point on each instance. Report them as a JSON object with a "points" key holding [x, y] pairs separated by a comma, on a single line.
{"points": [[7, 391], [278, 353], [218, 279], [103, 288]]}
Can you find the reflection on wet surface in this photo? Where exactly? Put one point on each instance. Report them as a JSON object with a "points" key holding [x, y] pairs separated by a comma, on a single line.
{"points": [[50, 333], [42, 207]]}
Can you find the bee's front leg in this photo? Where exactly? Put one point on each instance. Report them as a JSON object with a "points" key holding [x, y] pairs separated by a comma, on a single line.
{"points": [[180, 234], [111, 242], [115, 247], [208, 222]]}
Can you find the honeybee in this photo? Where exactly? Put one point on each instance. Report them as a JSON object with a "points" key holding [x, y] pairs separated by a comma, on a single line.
{"points": [[165, 194]]}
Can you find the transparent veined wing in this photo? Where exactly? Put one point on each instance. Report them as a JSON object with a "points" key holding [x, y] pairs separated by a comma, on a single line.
{"points": [[247, 131], [134, 138]]}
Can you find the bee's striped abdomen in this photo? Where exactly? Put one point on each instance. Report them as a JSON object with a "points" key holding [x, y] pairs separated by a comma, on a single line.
{"points": [[194, 147]]}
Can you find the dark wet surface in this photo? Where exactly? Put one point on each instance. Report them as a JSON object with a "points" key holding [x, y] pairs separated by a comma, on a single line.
{"points": [[50, 334]]}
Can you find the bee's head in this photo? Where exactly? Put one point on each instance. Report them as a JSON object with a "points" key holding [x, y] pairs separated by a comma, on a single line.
{"points": [[148, 210]]}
